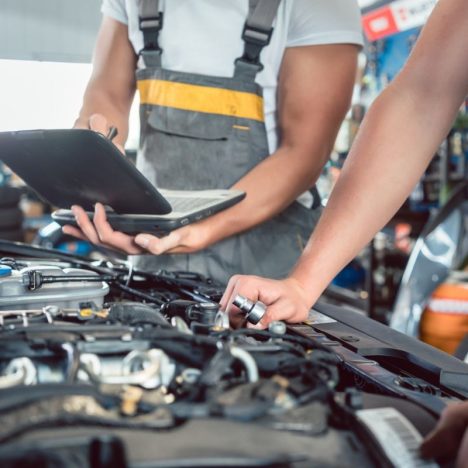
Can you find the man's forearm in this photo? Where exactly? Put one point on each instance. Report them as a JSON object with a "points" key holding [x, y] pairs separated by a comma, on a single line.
{"points": [[314, 94], [385, 163], [271, 187], [398, 138]]}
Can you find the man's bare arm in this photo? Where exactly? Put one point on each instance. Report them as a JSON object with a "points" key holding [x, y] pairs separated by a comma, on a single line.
{"points": [[315, 89], [111, 88], [398, 138], [107, 102]]}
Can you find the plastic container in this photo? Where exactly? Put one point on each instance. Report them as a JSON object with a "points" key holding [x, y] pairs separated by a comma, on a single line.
{"points": [[444, 322]]}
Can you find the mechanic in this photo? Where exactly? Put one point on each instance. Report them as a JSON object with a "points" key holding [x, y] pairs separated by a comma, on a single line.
{"points": [[306, 76], [398, 138]]}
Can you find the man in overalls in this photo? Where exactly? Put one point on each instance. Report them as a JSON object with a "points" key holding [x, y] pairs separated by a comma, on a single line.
{"points": [[234, 93]]}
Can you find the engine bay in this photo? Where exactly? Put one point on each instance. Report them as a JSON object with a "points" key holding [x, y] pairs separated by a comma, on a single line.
{"points": [[103, 365]]}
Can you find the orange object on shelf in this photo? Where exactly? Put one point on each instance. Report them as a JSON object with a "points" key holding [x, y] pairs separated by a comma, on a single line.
{"points": [[444, 322]]}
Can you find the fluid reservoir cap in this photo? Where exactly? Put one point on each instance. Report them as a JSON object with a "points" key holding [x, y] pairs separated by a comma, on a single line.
{"points": [[5, 270]]}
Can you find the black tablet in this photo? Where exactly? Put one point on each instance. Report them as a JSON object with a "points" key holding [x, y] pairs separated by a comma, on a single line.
{"points": [[82, 167]]}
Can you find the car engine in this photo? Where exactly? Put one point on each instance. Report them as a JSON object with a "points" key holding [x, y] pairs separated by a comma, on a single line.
{"points": [[102, 365]]}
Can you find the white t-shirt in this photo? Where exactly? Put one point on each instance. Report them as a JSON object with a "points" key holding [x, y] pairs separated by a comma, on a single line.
{"points": [[204, 36]]}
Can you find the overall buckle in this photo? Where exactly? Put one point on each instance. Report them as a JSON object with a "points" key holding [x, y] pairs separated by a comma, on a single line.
{"points": [[255, 39], [253, 35], [151, 26]]}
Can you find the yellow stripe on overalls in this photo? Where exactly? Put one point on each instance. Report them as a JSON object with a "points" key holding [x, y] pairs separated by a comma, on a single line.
{"points": [[201, 99]]}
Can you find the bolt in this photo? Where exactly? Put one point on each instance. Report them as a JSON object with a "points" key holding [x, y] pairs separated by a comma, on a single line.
{"points": [[277, 327]]}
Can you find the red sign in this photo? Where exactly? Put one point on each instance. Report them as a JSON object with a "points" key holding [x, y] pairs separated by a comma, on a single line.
{"points": [[379, 23], [398, 16]]}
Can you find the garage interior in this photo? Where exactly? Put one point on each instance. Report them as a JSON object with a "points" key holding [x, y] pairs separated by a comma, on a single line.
{"points": [[106, 365]]}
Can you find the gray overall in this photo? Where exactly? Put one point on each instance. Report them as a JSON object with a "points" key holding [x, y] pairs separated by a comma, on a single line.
{"points": [[207, 132]]}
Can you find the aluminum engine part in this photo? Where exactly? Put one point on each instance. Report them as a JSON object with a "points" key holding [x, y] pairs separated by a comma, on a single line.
{"points": [[148, 369], [15, 295], [20, 371]]}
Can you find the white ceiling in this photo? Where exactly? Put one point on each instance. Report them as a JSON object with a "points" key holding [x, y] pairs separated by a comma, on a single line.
{"points": [[49, 30]]}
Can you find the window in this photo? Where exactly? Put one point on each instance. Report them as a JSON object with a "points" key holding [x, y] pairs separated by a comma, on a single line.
{"points": [[46, 95]]}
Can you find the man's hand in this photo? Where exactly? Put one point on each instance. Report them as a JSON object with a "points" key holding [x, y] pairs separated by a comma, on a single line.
{"points": [[449, 439], [99, 232], [285, 300], [98, 123]]}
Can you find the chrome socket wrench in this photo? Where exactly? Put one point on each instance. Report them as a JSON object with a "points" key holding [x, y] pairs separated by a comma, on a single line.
{"points": [[254, 311]]}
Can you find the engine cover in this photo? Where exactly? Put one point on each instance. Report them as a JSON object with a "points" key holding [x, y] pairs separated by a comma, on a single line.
{"points": [[15, 294]]}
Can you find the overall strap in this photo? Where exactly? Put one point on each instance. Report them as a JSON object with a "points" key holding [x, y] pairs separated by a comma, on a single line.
{"points": [[256, 35], [150, 20]]}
